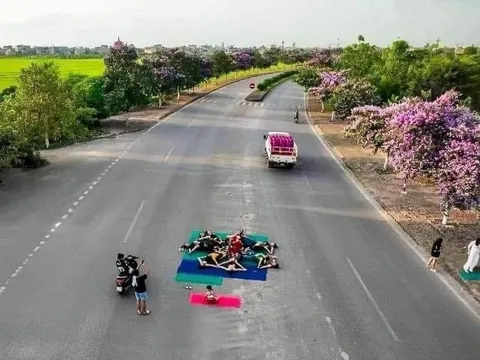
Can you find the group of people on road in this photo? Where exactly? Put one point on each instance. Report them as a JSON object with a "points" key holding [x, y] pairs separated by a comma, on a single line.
{"points": [[473, 252], [227, 254]]}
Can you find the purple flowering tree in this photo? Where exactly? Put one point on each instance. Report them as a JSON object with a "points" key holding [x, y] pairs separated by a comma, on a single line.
{"points": [[368, 125], [242, 60], [321, 59], [329, 81], [206, 69], [458, 174]]}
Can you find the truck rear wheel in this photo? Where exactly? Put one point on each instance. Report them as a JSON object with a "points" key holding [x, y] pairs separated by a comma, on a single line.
{"points": [[269, 164], [290, 166]]}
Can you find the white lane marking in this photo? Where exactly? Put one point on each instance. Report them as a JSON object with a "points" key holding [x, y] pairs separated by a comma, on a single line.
{"points": [[407, 239], [90, 187], [58, 224], [168, 154], [202, 101], [85, 193], [95, 183], [109, 167], [261, 105], [36, 249], [309, 186], [64, 216], [375, 305], [189, 126], [119, 156], [240, 102], [130, 229], [344, 355]]}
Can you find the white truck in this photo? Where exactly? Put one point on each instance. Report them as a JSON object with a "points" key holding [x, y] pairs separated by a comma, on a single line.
{"points": [[280, 149]]}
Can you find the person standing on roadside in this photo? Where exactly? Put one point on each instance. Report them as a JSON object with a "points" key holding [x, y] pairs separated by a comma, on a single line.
{"points": [[140, 287], [435, 254], [473, 255]]}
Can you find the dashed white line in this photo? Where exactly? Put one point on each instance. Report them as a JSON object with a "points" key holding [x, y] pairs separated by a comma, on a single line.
{"points": [[47, 236], [375, 305], [168, 154], [52, 230], [85, 193], [135, 219], [64, 216], [80, 198], [42, 242], [30, 255], [36, 249], [95, 183], [189, 126], [74, 204], [241, 101], [99, 178], [261, 105], [58, 224]]}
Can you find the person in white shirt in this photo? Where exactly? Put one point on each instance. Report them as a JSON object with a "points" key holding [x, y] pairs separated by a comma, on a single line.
{"points": [[473, 256]]}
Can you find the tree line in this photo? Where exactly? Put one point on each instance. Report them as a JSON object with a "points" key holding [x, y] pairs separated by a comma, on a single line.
{"points": [[416, 105], [45, 108]]}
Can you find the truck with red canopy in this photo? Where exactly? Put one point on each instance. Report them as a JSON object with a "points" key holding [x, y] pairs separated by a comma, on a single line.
{"points": [[280, 149]]}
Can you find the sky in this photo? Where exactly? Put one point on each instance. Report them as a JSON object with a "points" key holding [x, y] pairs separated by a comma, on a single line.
{"points": [[241, 23]]}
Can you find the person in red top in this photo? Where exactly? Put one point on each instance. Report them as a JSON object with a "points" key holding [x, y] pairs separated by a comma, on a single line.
{"points": [[235, 246]]}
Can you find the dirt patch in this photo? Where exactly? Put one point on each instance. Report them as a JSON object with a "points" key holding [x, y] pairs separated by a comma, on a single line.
{"points": [[418, 212]]}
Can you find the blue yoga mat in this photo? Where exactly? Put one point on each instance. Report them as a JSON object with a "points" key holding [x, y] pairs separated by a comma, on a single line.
{"points": [[252, 273]]}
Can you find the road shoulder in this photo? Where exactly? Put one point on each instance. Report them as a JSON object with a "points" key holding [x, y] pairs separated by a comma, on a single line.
{"points": [[416, 216]]}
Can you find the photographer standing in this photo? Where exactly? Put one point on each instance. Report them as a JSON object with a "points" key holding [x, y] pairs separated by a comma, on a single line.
{"points": [[140, 287]]}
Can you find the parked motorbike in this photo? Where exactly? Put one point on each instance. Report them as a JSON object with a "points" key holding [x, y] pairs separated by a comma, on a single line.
{"points": [[296, 117], [125, 268]]}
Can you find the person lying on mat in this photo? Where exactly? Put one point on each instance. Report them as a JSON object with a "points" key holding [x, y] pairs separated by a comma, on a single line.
{"points": [[267, 261], [232, 264], [259, 245], [208, 235], [210, 295], [203, 244], [236, 236], [211, 260]]}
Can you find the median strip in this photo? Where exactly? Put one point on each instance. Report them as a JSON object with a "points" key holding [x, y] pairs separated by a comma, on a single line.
{"points": [[268, 84]]}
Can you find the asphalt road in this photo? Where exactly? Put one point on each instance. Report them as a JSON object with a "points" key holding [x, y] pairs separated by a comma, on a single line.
{"points": [[348, 288]]}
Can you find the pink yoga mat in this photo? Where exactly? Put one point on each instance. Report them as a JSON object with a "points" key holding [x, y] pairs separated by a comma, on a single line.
{"points": [[223, 300]]}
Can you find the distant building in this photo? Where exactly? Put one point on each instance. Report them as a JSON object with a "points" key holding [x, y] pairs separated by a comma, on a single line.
{"points": [[42, 50], [24, 49]]}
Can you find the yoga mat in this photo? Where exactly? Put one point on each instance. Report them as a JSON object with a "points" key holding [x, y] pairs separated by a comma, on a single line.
{"points": [[198, 279], [470, 276], [223, 300], [222, 234], [252, 273]]}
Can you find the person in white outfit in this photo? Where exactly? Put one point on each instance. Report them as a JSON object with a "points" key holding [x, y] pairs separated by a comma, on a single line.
{"points": [[473, 256]]}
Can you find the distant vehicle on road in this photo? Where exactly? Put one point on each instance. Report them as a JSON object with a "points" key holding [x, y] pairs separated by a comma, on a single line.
{"points": [[280, 149]]}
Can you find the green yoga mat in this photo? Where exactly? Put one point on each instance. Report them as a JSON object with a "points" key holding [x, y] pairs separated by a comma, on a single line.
{"points": [[198, 279], [470, 276]]}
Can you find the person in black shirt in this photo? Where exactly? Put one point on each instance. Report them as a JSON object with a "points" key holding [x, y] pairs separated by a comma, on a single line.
{"points": [[435, 254], [141, 290]]}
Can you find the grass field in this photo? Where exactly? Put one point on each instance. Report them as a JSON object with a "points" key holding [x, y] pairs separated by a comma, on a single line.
{"points": [[10, 68]]}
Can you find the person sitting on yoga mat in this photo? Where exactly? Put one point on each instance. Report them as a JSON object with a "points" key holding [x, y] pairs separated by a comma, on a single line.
{"points": [[206, 244], [232, 264], [267, 262], [210, 295], [211, 260]]}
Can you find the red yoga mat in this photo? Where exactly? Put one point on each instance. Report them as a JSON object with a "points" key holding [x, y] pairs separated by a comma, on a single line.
{"points": [[223, 300]]}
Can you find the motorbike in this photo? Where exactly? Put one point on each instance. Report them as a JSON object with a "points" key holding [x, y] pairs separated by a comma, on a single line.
{"points": [[125, 268], [295, 118]]}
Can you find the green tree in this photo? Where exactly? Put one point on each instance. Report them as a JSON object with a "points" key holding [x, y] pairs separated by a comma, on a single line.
{"points": [[222, 63], [7, 92], [360, 59], [42, 110], [127, 82], [307, 77], [88, 93]]}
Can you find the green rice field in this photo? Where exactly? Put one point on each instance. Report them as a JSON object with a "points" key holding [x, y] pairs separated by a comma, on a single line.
{"points": [[10, 68]]}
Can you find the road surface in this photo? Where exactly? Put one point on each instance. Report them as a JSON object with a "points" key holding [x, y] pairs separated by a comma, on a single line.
{"points": [[348, 288]]}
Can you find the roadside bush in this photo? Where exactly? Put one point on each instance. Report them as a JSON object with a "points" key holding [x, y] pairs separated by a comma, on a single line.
{"points": [[268, 83]]}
